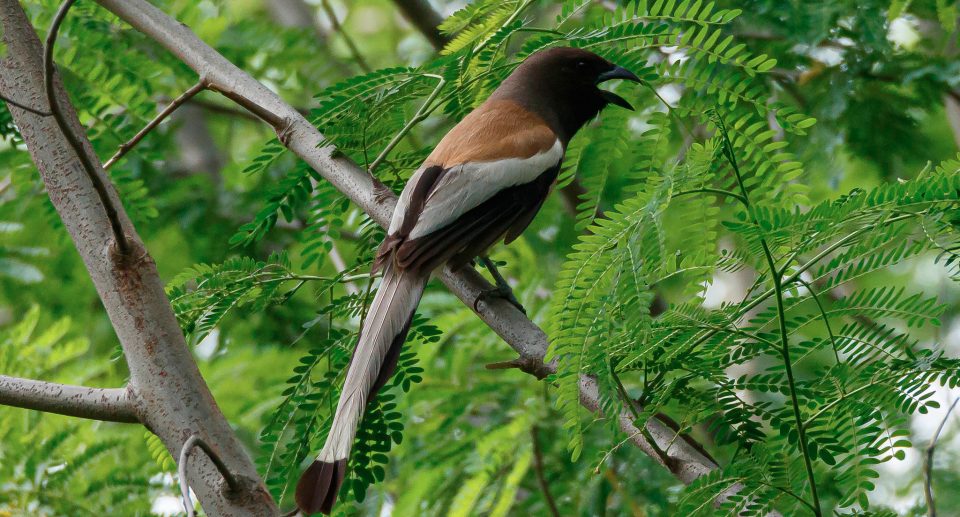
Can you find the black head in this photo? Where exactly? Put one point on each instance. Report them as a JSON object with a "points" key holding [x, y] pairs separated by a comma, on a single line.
{"points": [[561, 85]]}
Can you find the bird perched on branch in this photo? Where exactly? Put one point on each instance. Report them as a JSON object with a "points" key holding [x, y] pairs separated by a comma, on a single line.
{"points": [[485, 181]]}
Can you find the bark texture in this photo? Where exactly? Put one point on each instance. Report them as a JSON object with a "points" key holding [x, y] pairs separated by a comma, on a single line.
{"points": [[170, 397]]}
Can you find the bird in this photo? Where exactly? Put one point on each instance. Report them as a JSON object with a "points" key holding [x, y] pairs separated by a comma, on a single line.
{"points": [[485, 181]]}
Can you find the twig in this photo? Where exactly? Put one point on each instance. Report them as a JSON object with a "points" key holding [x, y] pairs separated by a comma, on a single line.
{"points": [[928, 470], [823, 316], [538, 467], [24, 107], [418, 117], [176, 103], [106, 404], [196, 441], [778, 286], [354, 51], [118, 234]]}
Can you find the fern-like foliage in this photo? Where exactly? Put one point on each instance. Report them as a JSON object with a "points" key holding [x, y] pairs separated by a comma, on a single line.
{"points": [[702, 181]]}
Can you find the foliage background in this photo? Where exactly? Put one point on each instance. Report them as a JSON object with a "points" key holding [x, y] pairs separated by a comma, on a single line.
{"points": [[246, 242]]}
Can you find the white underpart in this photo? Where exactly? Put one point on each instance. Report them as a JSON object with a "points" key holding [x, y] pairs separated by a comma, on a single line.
{"points": [[396, 299], [466, 186]]}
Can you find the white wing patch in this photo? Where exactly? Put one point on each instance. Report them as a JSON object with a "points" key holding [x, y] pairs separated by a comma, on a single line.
{"points": [[401, 209], [467, 186]]}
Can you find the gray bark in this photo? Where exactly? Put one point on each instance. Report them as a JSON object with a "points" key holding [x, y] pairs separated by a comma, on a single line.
{"points": [[107, 404], [170, 396]]}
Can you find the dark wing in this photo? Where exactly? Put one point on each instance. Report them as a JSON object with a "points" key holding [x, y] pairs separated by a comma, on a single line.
{"points": [[487, 179]]}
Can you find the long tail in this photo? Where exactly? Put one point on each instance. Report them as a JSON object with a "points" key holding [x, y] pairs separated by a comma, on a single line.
{"points": [[373, 362]]}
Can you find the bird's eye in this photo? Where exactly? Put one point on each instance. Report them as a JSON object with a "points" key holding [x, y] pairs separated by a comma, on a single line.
{"points": [[581, 64]]}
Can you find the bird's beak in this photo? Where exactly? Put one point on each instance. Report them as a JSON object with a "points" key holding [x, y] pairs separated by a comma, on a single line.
{"points": [[617, 72]]}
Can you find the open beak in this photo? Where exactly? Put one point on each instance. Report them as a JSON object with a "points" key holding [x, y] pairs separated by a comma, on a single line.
{"points": [[617, 72]]}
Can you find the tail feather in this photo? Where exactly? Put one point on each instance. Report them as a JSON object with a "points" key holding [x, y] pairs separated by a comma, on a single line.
{"points": [[318, 486], [372, 364]]}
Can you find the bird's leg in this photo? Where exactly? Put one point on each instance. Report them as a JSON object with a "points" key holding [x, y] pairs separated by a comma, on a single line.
{"points": [[502, 290]]}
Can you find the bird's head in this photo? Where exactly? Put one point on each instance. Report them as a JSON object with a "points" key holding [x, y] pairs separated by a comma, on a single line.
{"points": [[563, 84]]}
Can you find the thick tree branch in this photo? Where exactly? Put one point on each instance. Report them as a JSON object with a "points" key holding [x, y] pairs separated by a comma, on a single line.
{"points": [[172, 399], [528, 340], [107, 404]]}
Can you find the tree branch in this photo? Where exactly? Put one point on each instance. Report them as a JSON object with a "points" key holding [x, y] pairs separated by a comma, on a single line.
{"points": [[541, 477], [174, 104], [195, 441], [425, 19], [24, 107], [351, 45], [526, 338], [172, 399], [928, 467], [107, 404], [119, 235]]}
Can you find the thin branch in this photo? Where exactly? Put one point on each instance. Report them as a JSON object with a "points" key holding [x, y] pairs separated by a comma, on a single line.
{"points": [[538, 467], [717, 191], [418, 117], [176, 103], [928, 468], [24, 107], [823, 316], [123, 247], [354, 51], [107, 404], [196, 441], [425, 19], [781, 318]]}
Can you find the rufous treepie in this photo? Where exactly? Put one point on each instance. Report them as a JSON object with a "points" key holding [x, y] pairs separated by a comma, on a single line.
{"points": [[485, 181]]}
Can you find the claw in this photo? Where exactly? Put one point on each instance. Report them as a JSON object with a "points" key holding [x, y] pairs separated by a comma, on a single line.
{"points": [[285, 132], [381, 192], [498, 292], [501, 293], [502, 290]]}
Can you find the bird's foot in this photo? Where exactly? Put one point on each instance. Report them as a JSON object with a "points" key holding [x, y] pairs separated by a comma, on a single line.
{"points": [[501, 293], [502, 290], [285, 132], [381, 192]]}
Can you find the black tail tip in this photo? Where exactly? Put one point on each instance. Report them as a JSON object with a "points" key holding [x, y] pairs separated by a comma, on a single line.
{"points": [[319, 485]]}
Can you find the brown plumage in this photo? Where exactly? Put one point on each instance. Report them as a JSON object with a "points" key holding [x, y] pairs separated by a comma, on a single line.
{"points": [[485, 181], [497, 129]]}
